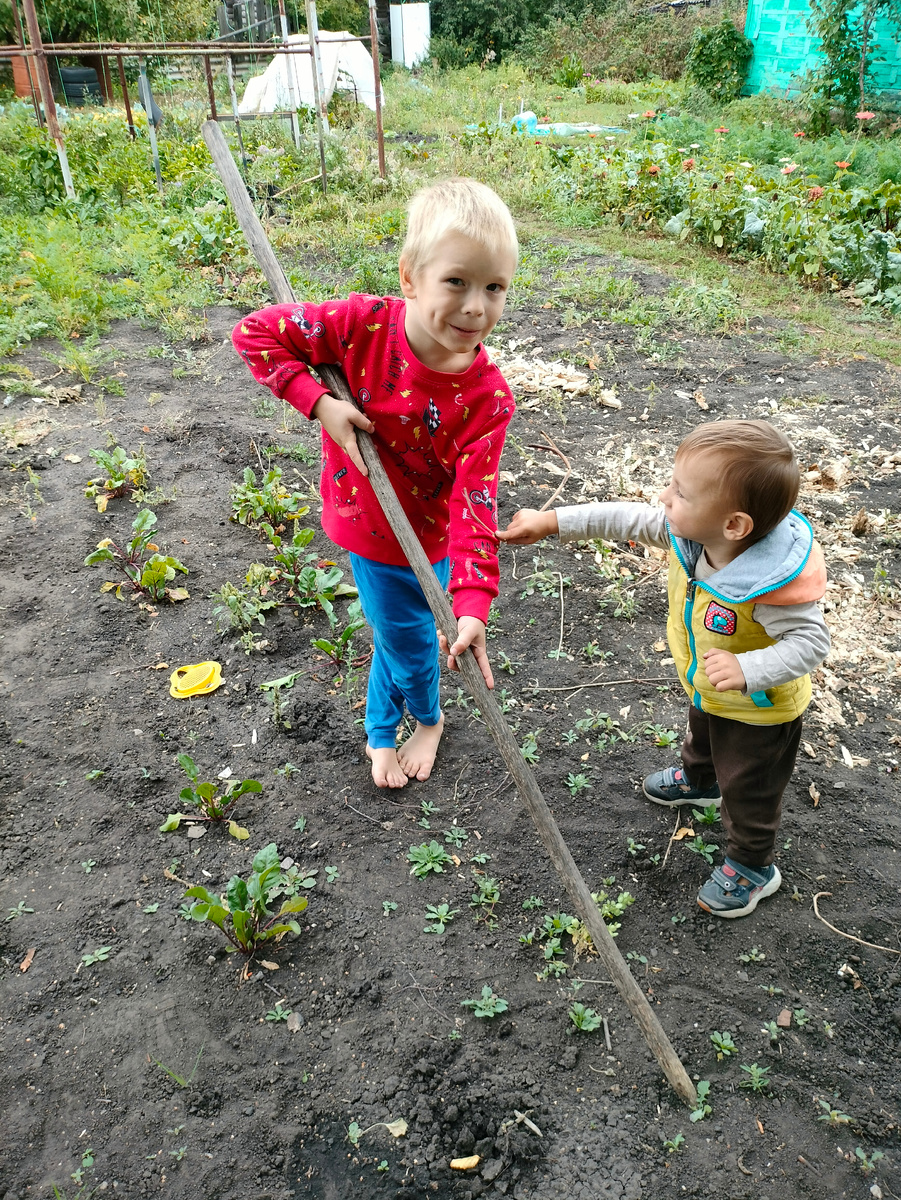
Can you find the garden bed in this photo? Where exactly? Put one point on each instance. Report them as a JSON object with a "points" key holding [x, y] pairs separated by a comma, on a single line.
{"points": [[158, 1058]]}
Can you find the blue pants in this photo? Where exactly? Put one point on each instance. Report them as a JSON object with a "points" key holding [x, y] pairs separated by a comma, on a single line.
{"points": [[405, 667]]}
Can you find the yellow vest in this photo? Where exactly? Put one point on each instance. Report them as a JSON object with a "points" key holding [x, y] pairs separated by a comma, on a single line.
{"points": [[699, 621]]}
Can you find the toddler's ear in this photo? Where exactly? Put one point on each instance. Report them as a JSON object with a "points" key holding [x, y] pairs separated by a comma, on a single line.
{"points": [[738, 527], [407, 286]]}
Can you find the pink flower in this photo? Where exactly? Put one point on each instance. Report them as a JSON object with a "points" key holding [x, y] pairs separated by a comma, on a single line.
{"points": [[789, 169], [814, 193], [865, 116], [722, 129], [800, 133], [688, 164], [650, 113], [843, 166]]}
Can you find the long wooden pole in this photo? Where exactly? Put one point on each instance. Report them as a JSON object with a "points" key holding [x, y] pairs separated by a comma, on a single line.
{"points": [[377, 82], [40, 58], [523, 777]]}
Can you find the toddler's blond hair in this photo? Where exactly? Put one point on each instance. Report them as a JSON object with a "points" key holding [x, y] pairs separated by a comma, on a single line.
{"points": [[457, 205]]}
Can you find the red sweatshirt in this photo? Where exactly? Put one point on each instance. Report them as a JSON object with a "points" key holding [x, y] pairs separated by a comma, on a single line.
{"points": [[439, 435]]}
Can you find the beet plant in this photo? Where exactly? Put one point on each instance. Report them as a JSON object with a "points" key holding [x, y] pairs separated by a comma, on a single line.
{"points": [[212, 802], [268, 501], [147, 572], [123, 474], [246, 913]]}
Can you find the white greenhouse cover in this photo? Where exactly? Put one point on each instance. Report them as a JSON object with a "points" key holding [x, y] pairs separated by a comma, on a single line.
{"points": [[345, 65]]}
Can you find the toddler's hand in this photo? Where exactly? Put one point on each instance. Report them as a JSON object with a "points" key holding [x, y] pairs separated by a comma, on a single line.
{"points": [[723, 671], [529, 526], [340, 420], [470, 636]]}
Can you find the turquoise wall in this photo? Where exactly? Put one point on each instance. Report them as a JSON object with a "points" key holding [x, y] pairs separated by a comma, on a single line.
{"points": [[784, 49]]}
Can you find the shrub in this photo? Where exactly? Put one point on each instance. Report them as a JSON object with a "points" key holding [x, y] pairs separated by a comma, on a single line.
{"points": [[719, 59]]}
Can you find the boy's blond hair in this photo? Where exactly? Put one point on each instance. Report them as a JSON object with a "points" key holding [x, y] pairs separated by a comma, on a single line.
{"points": [[457, 205], [759, 472]]}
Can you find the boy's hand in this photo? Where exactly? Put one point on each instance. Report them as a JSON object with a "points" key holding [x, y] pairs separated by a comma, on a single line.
{"points": [[470, 636], [723, 671], [340, 420], [529, 526]]}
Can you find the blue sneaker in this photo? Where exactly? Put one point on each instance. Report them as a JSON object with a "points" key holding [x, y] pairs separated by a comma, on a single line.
{"points": [[734, 891], [671, 788]]}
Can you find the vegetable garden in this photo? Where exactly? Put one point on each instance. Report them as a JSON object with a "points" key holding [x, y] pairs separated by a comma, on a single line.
{"points": [[229, 965]]}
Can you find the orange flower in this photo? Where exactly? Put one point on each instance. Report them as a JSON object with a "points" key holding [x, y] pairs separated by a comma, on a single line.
{"points": [[650, 113], [843, 166], [789, 169], [800, 133], [688, 164], [653, 170], [865, 116], [814, 193], [722, 129]]}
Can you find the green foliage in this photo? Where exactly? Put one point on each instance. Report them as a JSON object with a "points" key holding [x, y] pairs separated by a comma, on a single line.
{"points": [[440, 915], [673, 1145], [867, 1162], [339, 646], [703, 1108], [719, 59], [214, 801], [267, 503], [831, 1115], [585, 1019], [145, 575], [114, 20], [468, 32], [238, 608], [101, 954], [757, 1080], [570, 73], [124, 474], [703, 849], [844, 29], [429, 856], [485, 899], [488, 1005], [724, 1045], [244, 914]]}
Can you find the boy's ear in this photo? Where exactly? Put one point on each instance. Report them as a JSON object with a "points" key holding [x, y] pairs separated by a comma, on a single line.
{"points": [[738, 527], [407, 284]]}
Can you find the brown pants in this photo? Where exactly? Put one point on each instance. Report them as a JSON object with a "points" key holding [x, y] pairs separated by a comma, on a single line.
{"points": [[752, 764]]}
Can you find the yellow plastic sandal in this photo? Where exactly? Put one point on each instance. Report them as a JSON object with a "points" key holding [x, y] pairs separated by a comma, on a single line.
{"points": [[195, 680]]}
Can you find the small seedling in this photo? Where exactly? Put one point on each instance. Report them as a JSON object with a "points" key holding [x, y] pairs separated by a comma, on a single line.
{"points": [[144, 575], [183, 1081], [757, 1080], [441, 915], [456, 836], [388, 907], [332, 875], [19, 911], [634, 956], [454, 1036], [339, 647], [151, 908], [678, 918], [577, 783], [770, 989], [673, 1145], [725, 1046], [124, 474], [485, 899], [829, 1029], [709, 816], [504, 663], [489, 1004], [278, 1013], [772, 1029], [633, 848], [214, 801], [532, 903], [92, 775], [246, 918], [430, 856], [754, 955], [383, 1165], [704, 849], [703, 1108], [101, 954], [584, 1019], [288, 770], [178, 1154], [481, 858], [801, 1018], [661, 735], [88, 865], [255, 504], [867, 1162], [529, 747], [300, 824], [429, 809], [570, 737], [832, 1116]]}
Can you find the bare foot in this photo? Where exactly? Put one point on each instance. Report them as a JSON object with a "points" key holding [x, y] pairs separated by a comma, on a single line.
{"points": [[417, 755], [386, 770]]}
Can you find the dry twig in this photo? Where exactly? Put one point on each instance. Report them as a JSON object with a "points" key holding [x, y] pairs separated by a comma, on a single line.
{"points": [[850, 936]]}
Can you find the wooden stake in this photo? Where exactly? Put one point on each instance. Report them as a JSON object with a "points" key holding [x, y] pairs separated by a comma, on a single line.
{"points": [[40, 58], [469, 669]]}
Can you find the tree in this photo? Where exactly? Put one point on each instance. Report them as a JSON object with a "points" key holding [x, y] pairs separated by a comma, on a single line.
{"points": [[115, 20], [845, 30]]}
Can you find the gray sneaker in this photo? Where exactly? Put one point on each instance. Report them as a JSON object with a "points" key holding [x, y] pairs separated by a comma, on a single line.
{"points": [[671, 788]]}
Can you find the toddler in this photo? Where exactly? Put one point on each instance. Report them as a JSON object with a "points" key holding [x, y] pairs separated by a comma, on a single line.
{"points": [[744, 629], [438, 411]]}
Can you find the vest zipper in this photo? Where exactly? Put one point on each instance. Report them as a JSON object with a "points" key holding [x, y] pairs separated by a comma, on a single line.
{"points": [[690, 589]]}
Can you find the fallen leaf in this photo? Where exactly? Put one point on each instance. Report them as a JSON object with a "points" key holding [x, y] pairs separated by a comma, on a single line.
{"points": [[270, 966], [683, 395], [684, 832], [72, 458], [660, 646], [238, 831], [27, 431], [847, 759], [759, 1124], [701, 400], [197, 831], [861, 523], [465, 1164], [609, 398], [814, 794], [157, 666], [293, 1023], [28, 959], [809, 750], [397, 1128]]}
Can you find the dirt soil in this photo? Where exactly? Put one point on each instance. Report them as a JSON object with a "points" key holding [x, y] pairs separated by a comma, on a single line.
{"points": [[261, 1108]]}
